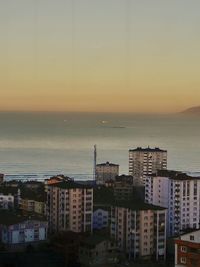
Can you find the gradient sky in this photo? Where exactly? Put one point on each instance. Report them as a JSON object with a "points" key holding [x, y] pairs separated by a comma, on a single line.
{"points": [[99, 55]]}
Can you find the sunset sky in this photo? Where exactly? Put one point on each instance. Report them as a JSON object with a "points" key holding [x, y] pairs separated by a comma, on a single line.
{"points": [[99, 55]]}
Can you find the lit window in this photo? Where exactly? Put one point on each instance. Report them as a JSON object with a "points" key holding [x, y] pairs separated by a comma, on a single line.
{"points": [[183, 249], [183, 260]]}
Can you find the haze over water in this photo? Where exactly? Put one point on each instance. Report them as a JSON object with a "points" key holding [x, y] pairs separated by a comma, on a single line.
{"points": [[52, 143]]}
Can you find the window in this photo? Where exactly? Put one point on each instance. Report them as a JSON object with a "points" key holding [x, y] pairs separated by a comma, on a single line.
{"points": [[191, 237], [183, 260], [183, 249]]}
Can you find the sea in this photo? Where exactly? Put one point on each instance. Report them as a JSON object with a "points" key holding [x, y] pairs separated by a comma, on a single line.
{"points": [[35, 146]]}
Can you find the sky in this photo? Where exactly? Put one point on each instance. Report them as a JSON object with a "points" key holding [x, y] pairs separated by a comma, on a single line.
{"points": [[99, 55]]}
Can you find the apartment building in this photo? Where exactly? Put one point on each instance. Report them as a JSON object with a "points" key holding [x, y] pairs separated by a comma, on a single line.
{"points": [[187, 250], [139, 230], [32, 205], [106, 172], [101, 217], [145, 161], [17, 229], [180, 194], [123, 187], [70, 207]]}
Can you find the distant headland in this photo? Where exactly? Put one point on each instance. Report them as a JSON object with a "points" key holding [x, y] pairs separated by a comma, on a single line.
{"points": [[192, 111]]}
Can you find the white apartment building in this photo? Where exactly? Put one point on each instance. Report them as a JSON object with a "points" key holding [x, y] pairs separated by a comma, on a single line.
{"points": [[18, 229], [105, 172], [70, 207], [180, 194], [139, 230], [6, 201], [145, 161]]}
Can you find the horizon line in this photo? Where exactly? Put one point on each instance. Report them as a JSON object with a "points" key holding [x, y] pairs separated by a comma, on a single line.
{"points": [[97, 112]]}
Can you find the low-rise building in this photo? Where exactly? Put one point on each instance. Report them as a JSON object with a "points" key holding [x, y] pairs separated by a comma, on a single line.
{"points": [[6, 202], [105, 172], [16, 229], [31, 205], [187, 250], [11, 191], [139, 230], [97, 250], [33, 199]]}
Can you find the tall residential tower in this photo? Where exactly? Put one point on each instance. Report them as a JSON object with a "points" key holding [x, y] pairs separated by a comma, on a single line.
{"points": [[106, 171], [145, 161]]}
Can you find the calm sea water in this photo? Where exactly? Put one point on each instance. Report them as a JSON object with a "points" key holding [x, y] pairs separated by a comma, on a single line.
{"points": [[36, 145]]}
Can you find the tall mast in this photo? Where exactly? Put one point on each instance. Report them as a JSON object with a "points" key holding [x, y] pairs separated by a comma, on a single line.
{"points": [[95, 162]]}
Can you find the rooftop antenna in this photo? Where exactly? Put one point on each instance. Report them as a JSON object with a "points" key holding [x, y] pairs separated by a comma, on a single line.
{"points": [[95, 162]]}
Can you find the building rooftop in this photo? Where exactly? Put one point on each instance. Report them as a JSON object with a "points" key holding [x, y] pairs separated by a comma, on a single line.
{"points": [[148, 149], [71, 185], [175, 175], [11, 218], [188, 232], [136, 205], [107, 164], [59, 177]]}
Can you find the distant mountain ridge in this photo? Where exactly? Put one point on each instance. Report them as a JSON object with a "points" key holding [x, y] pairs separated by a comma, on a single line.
{"points": [[192, 110]]}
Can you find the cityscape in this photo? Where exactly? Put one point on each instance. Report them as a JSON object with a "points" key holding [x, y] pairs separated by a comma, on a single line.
{"points": [[99, 133], [147, 217]]}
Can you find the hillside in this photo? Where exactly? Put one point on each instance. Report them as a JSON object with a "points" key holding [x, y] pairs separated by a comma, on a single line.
{"points": [[192, 111]]}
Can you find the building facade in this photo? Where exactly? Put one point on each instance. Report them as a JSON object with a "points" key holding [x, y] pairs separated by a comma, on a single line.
{"points": [[16, 229], [140, 232], [11, 191], [31, 205], [101, 217], [70, 207], [145, 161], [6, 201], [105, 172], [187, 250], [180, 194], [123, 187]]}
